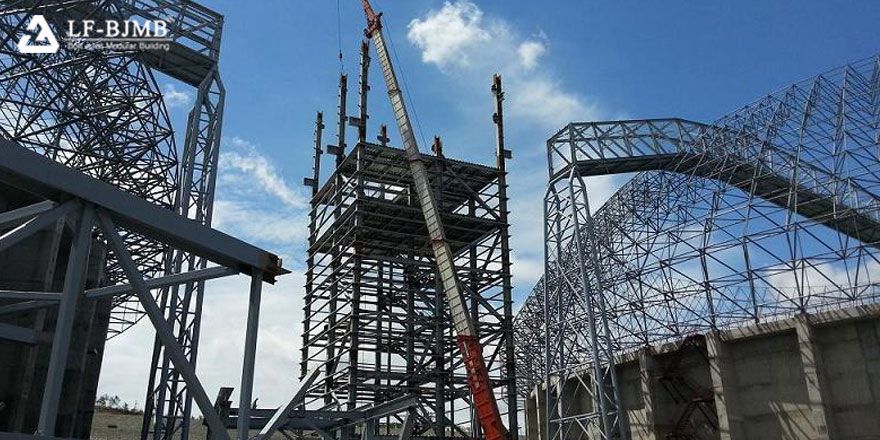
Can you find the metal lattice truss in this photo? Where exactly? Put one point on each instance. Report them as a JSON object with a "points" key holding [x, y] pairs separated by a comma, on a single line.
{"points": [[95, 111], [101, 112], [768, 212]]}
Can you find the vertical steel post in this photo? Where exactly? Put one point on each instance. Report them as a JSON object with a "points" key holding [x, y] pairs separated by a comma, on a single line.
{"points": [[501, 156], [310, 260], [250, 355], [74, 283]]}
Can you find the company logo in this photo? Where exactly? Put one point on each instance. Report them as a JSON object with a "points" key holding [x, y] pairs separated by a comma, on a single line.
{"points": [[44, 42], [96, 35]]}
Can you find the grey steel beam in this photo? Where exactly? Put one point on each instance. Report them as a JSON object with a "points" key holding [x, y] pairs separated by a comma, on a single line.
{"points": [[39, 175], [162, 282], [163, 330], [25, 306], [30, 296], [18, 334], [74, 282], [16, 216], [250, 354], [407, 428], [282, 414], [35, 224]]}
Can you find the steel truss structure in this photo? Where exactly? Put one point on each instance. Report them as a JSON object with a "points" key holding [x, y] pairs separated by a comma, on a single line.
{"points": [[101, 112], [375, 321], [88, 206], [771, 211]]}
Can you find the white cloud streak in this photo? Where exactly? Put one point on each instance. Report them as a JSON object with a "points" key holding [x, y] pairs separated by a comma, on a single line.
{"points": [[530, 52], [448, 36], [458, 38], [255, 171], [469, 46], [175, 98]]}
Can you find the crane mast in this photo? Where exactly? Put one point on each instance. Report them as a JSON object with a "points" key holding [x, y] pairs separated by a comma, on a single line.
{"points": [[468, 341]]}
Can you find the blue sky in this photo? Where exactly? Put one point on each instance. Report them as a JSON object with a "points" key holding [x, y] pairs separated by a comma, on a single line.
{"points": [[562, 61]]}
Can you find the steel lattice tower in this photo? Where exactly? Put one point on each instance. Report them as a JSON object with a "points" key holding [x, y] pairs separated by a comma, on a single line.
{"points": [[101, 112], [376, 323], [771, 211]]}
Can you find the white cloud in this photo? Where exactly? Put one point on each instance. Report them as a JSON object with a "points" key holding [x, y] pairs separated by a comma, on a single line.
{"points": [[543, 101], [284, 227], [469, 46], [254, 204], [447, 36], [246, 166], [175, 98], [459, 39], [126, 365], [529, 53]]}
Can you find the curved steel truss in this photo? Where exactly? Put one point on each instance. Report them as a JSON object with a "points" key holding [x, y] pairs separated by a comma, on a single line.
{"points": [[770, 211]]}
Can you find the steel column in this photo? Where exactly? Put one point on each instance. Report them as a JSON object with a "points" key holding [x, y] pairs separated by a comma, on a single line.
{"points": [[74, 283], [250, 356]]}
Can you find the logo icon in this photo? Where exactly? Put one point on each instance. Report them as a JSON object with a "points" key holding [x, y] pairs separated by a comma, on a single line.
{"points": [[45, 41]]}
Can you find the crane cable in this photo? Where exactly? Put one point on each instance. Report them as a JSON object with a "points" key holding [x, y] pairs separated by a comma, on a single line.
{"points": [[339, 36]]}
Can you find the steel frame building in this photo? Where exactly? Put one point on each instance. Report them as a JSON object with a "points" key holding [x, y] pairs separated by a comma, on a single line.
{"points": [[88, 206], [101, 112], [771, 211], [376, 324]]}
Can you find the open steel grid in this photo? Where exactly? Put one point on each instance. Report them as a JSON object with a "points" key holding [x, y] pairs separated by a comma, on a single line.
{"points": [[771, 211], [376, 323], [101, 112]]}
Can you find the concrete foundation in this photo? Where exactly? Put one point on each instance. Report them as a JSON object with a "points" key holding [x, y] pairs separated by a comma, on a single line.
{"points": [[813, 377]]}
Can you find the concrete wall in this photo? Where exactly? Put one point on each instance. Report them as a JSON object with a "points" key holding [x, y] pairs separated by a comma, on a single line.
{"points": [[811, 377]]}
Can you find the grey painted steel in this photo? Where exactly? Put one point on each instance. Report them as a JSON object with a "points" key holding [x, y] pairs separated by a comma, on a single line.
{"points": [[250, 355], [154, 313], [371, 278], [281, 416], [16, 216], [43, 177], [25, 306], [37, 296], [162, 282], [36, 224], [741, 159], [49, 108], [17, 334], [74, 283], [407, 428], [771, 211]]}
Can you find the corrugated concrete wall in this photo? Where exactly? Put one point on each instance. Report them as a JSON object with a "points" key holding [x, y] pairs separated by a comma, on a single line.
{"points": [[805, 378]]}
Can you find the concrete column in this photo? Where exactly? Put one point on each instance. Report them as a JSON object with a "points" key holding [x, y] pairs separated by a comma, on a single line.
{"points": [[648, 428], [816, 388], [729, 419]]}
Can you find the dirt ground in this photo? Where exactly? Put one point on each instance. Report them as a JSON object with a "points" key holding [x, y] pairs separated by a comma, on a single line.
{"points": [[112, 426]]}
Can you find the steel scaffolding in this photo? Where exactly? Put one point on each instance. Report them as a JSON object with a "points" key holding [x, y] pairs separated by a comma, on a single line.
{"points": [[771, 211], [375, 320]]}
